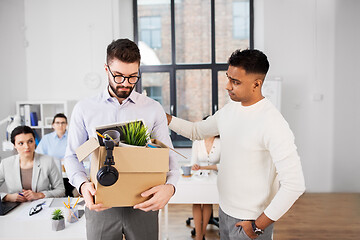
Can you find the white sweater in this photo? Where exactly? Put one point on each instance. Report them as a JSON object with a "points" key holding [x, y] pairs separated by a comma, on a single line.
{"points": [[257, 152]]}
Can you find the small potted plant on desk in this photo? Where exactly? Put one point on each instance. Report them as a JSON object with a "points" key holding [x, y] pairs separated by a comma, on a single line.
{"points": [[58, 220]]}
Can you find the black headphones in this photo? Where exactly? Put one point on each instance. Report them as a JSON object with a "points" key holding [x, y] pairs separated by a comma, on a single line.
{"points": [[108, 175]]}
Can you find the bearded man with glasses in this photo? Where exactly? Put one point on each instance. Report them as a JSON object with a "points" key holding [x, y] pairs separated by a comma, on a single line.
{"points": [[119, 103]]}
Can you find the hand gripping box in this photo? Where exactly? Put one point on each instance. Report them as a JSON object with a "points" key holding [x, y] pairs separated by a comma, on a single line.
{"points": [[140, 168]]}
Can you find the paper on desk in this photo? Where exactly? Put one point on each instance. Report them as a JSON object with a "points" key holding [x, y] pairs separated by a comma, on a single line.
{"points": [[45, 213]]}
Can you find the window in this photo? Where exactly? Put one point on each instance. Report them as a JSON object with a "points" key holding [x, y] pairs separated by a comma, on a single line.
{"points": [[150, 31], [186, 74], [153, 92], [241, 19]]}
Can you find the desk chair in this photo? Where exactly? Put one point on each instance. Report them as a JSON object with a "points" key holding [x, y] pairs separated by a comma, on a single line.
{"points": [[213, 220]]}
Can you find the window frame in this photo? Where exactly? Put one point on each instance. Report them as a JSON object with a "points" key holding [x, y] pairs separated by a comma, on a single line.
{"points": [[179, 141]]}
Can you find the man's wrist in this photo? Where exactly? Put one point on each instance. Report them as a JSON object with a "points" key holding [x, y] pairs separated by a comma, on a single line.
{"points": [[80, 187], [258, 231], [173, 187]]}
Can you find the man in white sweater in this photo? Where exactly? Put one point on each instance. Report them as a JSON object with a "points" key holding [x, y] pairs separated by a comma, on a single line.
{"points": [[257, 152]]}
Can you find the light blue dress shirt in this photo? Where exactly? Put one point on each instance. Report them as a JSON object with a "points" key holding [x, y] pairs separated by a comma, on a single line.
{"points": [[103, 109], [51, 145]]}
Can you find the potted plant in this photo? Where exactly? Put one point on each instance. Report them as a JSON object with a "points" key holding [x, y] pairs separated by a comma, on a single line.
{"points": [[135, 133], [58, 220]]}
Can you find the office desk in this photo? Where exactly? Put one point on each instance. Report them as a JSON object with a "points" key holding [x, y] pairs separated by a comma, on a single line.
{"points": [[190, 190], [16, 226]]}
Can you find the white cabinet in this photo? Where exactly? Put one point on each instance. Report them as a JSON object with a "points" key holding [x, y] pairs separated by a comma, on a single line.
{"points": [[39, 114]]}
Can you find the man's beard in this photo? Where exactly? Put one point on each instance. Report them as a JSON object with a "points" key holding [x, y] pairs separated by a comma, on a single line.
{"points": [[121, 94]]}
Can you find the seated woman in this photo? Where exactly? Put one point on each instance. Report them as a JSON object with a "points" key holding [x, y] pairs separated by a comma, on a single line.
{"points": [[205, 155], [29, 175]]}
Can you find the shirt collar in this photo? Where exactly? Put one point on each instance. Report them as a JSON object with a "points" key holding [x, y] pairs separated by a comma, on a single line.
{"points": [[107, 97], [56, 136]]}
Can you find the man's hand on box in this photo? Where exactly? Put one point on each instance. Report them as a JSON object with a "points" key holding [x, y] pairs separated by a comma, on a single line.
{"points": [[88, 191], [160, 196]]}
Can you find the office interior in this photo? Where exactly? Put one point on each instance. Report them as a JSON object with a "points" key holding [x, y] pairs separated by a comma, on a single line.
{"points": [[48, 47]]}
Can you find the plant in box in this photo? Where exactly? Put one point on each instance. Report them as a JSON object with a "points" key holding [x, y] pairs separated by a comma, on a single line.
{"points": [[135, 133], [58, 220]]}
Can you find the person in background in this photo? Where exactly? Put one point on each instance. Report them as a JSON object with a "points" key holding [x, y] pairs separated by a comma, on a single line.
{"points": [[260, 176], [205, 155], [54, 144], [118, 102], [28, 175]]}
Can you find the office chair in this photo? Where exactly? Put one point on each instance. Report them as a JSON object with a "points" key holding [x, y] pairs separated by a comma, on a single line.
{"points": [[213, 220]]}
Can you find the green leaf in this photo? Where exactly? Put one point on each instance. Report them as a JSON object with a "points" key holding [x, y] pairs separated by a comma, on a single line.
{"points": [[135, 133], [57, 214]]}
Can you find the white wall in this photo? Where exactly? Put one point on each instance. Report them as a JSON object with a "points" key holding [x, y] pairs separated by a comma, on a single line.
{"points": [[346, 175], [13, 82], [311, 44], [68, 40], [314, 46], [298, 37]]}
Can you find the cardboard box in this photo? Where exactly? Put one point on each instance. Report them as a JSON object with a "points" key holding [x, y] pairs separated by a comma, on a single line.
{"points": [[139, 169]]}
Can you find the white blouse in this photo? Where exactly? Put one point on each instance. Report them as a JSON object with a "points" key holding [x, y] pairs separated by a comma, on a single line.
{"points": [[200, 156]]}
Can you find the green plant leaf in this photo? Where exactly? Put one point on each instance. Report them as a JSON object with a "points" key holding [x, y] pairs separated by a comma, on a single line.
{"points": [[57, 214], [135, 133]]}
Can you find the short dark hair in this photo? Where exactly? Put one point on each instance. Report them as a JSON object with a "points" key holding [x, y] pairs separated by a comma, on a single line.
{"points": [[59, 115], [251, 60], [19, 130], [123, 49]]}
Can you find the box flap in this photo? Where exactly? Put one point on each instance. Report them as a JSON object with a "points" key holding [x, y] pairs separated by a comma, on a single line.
{"points": [[162, 145], [158, 142], [85, 149]]}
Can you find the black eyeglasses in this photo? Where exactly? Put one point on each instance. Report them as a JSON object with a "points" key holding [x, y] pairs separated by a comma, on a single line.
{"points": [[36, 209], [60, 123], [121, 78]]}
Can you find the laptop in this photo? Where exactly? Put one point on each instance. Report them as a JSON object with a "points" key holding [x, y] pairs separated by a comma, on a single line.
{"points": [[6, 207]]}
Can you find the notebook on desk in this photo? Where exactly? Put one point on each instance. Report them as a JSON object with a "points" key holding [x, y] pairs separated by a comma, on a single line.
{"points": [[6, 207]]}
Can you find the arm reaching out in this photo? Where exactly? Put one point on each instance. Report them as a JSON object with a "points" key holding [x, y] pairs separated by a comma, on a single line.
{"points": [[194, 130]]}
